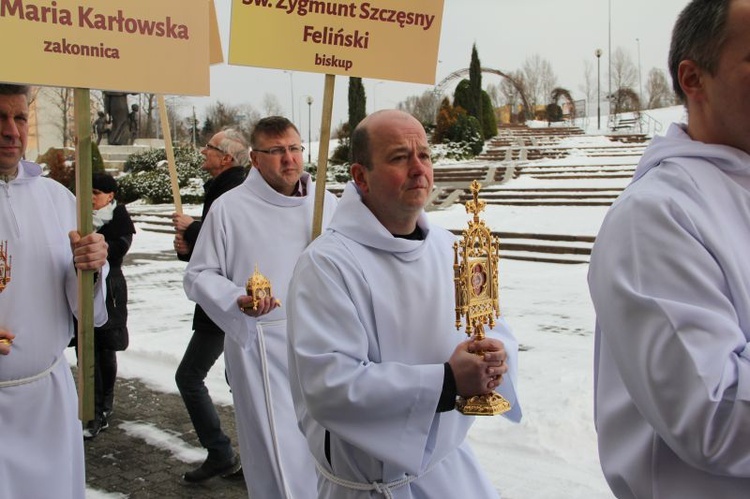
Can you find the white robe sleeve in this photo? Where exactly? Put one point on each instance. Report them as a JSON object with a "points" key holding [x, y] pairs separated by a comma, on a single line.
{"points": [[100, 293], [668, 320], [385, 409], [206, 282]]}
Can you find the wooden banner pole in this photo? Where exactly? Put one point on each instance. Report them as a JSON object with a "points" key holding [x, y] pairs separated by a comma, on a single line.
{"points": [[82, 116], [171, 164], [325, 138]]}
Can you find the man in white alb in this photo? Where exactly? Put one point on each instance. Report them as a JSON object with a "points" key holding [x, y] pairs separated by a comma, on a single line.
{"points": [[41, 441], [264, 222], [670, 282], [376, 362]]}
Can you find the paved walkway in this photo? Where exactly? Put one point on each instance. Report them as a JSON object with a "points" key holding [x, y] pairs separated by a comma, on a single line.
{"points": [[119, 461]]}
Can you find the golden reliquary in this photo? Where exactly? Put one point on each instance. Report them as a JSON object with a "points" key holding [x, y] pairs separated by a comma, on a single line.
{"points": [[476, 257], [5, 261], [258, 287]]}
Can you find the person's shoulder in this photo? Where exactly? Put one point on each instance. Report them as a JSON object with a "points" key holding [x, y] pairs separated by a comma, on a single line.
{"points": [[328, 251], [227, 198], [121, 211], [668, 184], [52, 186], [228, 179], [328, 244]]}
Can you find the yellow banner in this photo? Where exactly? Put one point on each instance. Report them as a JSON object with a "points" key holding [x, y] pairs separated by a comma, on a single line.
{"points": [[155, 46], [382, 39]]}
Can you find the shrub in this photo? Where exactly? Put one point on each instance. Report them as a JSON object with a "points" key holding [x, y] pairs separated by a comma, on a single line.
{"points": [[340, 155], [61, 164], [553, 113], [150, 158], [334, 172], [148, 176], [466, 130]]}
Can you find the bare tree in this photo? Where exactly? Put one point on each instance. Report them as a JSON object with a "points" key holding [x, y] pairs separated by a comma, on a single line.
{"points": [[246, 118], [271, 105], [178, 127], [496, 95], [511, 93], [62, 99], [624, 70], [147, 104], [423, 107], [589, 84], [539, 78], [240, 116], [660, 94]]}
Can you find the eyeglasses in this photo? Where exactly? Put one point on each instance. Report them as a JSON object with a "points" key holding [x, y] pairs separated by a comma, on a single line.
{"points": [[281, 150], [215, 148]]}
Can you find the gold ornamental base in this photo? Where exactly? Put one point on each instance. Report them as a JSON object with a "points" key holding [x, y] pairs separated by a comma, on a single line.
{"points": [[492, 404]]}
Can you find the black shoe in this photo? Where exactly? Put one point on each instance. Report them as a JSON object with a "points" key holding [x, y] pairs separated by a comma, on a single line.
{"points": [[210, 469], [95, 427], [237, 476], [104, 422]]}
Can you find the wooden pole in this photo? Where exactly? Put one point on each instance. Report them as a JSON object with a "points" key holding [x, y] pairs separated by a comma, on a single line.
{"points": [[325, 138], [170, 154], [82, 116]]}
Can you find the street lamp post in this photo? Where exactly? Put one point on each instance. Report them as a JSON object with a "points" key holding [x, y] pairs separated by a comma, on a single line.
{"points": [[609, 57], [598, 54], [309, 128], [640, 81]]}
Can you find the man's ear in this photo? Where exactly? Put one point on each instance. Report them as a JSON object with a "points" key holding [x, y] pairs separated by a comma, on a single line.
{"points": [[359, 176], [227, 159], [691, 79]]}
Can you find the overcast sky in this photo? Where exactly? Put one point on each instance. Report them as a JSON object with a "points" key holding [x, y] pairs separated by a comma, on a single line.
{"points": [[506, 32]]}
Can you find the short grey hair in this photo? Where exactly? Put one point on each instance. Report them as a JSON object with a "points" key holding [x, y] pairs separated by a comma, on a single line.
{"points": [[698, 36], [233, 143]]}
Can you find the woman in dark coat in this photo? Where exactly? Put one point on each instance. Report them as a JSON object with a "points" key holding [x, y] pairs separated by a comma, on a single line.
{"points": [[114, 223]]}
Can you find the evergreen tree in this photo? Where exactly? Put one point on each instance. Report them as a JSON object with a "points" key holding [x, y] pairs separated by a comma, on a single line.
{"points": [[357, 102], [446, 118], [208, 130], [475, 86], [489, 120], [462, 95]]}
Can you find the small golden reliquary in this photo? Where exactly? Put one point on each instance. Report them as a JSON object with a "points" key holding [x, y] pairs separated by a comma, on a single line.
{"points": [[5, 263], [258, 287], [475, 275]]}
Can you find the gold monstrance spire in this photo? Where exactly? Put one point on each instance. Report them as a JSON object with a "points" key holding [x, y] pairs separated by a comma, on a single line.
{"points": [[475, 261]]}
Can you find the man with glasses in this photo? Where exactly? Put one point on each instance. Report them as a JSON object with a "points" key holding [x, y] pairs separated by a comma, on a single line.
{"points": [[225, 157], [263, 225]]}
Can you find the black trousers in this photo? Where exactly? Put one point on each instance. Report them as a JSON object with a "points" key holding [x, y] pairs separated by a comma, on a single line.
{"points": [[204, 348]]}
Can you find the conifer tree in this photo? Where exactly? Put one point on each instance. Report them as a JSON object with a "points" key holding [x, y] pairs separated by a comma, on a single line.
{"points": [[489, 120], [475, 86], [357, 102]]}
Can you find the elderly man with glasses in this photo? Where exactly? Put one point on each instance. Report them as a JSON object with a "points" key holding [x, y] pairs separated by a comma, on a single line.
{"points": [[225, 158], [263, 225]]}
